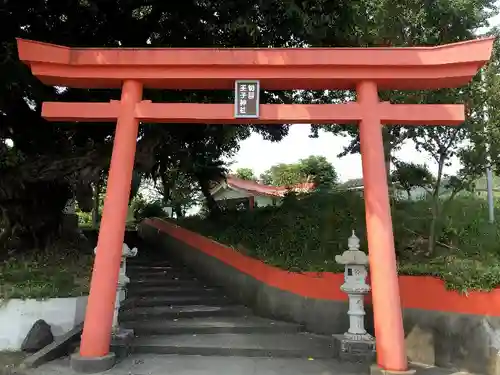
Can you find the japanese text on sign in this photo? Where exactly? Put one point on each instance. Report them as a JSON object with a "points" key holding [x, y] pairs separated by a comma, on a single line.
{"points": [[246, 99]]}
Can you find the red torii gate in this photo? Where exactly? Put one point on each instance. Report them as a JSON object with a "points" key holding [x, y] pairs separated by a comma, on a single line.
{"points": [[364, 69]]}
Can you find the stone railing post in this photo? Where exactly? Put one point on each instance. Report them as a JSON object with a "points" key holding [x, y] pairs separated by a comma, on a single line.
{"points": [[123, 280], [356, 342]]}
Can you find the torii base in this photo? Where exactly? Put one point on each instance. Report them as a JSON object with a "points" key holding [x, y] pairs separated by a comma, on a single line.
{"points": [[375, 370], [92, 365]]}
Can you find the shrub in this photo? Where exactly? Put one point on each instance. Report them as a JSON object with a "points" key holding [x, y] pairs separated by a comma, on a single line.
{"points": [[306, 233], [144, 210]]}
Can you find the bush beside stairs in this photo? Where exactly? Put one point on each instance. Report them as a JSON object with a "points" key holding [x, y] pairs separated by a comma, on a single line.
{"points": [[173, 312]]}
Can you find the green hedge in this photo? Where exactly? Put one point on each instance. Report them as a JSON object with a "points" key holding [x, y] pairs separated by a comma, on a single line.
{"points": [[305, 235]]}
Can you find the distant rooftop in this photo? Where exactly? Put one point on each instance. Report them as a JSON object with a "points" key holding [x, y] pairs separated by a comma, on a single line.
{"points": [[261, 189]]}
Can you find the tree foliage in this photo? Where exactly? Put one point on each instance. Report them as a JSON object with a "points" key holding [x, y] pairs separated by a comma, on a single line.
{"points": [[246, 174], [314, 169], [48, 162], [411, 175], [44, 164], [415, 23]]}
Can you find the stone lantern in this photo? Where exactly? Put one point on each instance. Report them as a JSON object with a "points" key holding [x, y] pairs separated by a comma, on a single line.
{"points": [[356, 341]]}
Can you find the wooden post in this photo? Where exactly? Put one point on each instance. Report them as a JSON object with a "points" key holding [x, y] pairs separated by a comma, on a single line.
{"points": [[251, 202], [389, 333]]}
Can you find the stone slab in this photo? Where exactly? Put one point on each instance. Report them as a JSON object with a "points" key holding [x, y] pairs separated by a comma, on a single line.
{"points": [[166, 282], [300, 345], [62, 345], [138, 364], [210, 325], [209, 300], [189, 311], [194, 365], [172, 290]]}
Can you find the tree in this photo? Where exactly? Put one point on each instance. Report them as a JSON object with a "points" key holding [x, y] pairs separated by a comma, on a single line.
{"points": [[283, 175], [318, 170], [487, 140], [404, 23], [411, 175], [315, 169], [246, 174], [47, 162]]}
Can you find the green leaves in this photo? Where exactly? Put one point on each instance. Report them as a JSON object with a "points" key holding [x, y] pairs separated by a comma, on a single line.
{"points": [[246, 174], [315, 169], [410, 175]]}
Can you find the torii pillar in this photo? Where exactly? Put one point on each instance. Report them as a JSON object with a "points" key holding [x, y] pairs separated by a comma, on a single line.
{"points": [[366, 70], [382, 256], [96, 336]]}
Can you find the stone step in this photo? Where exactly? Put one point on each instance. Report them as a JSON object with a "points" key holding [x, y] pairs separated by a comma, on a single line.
{"points": [[210, 325], [137, 285], [145, 277], [209, 300], [173, 290], [148, 263], [153, 364], [189, 311], [156, 271], [298, 345]]}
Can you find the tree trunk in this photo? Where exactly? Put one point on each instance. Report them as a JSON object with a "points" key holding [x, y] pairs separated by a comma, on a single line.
{"points": [[178, 211], [212, 205], [95, 207], [6, 231], [167, 185], [435, 207], [433, 227]]}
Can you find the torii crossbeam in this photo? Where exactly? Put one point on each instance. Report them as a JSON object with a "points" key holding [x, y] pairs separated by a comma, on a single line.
{"points": [[146, 111], [365, 70]]}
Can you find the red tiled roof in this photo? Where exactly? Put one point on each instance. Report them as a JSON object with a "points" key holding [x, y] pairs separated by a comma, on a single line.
{"points": [[261, 189]]}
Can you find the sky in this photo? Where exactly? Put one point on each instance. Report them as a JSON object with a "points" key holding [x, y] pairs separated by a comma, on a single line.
{"points": [[260, 155]]}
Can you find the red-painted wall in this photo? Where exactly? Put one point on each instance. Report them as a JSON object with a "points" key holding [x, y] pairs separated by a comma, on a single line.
{"points": [[417, 292]]}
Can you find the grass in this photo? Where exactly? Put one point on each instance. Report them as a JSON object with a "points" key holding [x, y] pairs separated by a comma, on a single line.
{"points": [[306, 234], [60, 272]]}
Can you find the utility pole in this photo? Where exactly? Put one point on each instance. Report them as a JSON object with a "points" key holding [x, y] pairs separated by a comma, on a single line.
{"points": [[489, 174], [489, 183]]}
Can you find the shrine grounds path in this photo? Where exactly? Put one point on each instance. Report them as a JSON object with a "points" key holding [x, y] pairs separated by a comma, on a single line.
{"points": [[197, 365]]}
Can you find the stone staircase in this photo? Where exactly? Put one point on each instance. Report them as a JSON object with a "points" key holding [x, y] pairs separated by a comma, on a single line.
{"points": [[173, 312]]}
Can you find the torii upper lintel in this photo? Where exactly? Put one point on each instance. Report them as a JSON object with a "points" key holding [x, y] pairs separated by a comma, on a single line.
{"points": [[413, 68]]}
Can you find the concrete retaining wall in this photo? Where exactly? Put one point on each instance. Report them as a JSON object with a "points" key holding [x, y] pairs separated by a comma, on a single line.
{"points": [[443, 328], [18, 316]]}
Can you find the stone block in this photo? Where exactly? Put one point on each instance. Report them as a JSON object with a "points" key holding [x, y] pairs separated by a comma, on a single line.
{"points": [[63, 345], [375, 370], [121, 342], [39, 336], [355, 350]]}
